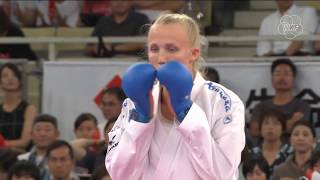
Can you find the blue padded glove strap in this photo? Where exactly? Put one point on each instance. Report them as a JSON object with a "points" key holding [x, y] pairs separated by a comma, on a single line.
{"points": [[184, 113], [139, 117]]}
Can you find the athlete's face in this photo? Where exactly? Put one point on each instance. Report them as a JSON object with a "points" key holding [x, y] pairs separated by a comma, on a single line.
{"points": [[171, 42]]}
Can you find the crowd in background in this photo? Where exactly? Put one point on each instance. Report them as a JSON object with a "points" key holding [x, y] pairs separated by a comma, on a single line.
{"points": [[281, 141], [131, 18]]}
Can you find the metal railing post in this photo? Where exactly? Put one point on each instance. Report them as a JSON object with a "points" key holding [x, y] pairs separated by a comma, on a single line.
{"points": [[52, 51]]}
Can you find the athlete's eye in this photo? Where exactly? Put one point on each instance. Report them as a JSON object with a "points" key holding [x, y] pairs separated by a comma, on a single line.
{"points": [[153, 48]]}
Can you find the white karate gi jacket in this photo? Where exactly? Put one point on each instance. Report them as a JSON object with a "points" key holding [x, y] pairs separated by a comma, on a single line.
{"points": [[206, 145]]}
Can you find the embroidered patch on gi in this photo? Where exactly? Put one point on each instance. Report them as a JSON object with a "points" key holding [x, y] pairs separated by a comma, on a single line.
{"points": [[125, 104], [227, 119], [114, 138], [133, 115], [223, 95]]}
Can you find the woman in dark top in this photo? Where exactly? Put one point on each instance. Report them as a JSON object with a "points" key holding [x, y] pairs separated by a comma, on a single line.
{"points": [[16, 115], [13, 51], [272, 148]]}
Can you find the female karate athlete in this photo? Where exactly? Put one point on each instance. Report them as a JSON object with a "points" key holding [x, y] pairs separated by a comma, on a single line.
{"points": [[175, 125]]}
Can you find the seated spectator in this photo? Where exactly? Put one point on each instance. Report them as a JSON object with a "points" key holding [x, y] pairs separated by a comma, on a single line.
{"points": [[92, 11], [44, 132], [24, 170], [58, 13], [16, 114], [13, 51], [255, 168], [21, 13], [87, 140], [154, 8], [88, 159], [313, 173], [302, 139], [284, 73], [272, 124], [8, 158], [101, 173], [122, 22], [269, 26], [211, 74], [61, 160], [86, 126], [111, 104]]}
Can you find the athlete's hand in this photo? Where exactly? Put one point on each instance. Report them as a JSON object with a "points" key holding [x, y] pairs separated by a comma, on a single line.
{"points": [[137, 84], [178, 80]]}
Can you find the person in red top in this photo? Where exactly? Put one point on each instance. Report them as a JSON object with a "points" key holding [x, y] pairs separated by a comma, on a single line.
{"points": [[92, 11]]}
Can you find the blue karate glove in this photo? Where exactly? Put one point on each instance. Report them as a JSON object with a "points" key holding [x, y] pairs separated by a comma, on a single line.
{"points": [[178, 80], [137, 84]]}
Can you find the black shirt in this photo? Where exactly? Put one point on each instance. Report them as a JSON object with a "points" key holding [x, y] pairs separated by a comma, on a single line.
{"points": [[11, 123], [16, 51], [132, 26]]}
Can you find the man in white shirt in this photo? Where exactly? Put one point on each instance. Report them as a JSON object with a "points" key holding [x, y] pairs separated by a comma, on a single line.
{"points": [[64, 13], [44, 132], [269, 26]]}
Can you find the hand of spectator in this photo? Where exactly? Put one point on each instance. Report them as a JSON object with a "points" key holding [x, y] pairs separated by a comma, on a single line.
{"points": [[295, 117], [270, 53], [59, 19], [92, 50]]}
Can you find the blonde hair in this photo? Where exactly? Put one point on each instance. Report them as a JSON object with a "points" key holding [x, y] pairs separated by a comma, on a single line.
{"points": [[192, 29]]}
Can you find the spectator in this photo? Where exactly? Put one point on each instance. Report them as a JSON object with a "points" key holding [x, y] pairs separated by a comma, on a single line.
{"points": [[269, 26], [21, 13], [13, 51], [58, 13], [24, 170], [92, 11], [211, 74], [123, 22], [302, 139], [271, 124], [101, 173], [60, 160], [88, 159], [16, 114], [283, 80], [86, 126], [255, 168], [87, 142], [112, 99], [317, 43], [8, 158], [313, 173], [154, 8], [44, 132]]}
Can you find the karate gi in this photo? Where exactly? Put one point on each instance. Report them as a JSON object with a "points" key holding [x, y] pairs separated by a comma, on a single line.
{"points": [[206, 145]]}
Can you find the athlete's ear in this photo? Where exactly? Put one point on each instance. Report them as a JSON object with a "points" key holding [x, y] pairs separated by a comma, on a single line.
{"points": [[195, 53]]}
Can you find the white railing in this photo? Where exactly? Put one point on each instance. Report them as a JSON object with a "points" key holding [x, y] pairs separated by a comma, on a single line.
{"points": [[53, 41]]}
